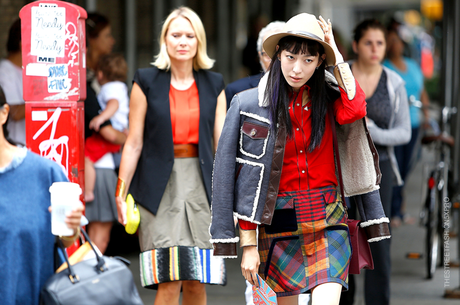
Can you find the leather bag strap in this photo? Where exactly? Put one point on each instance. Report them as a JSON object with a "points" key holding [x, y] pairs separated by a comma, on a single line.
{"points": [[337, 156], [101, 266]]}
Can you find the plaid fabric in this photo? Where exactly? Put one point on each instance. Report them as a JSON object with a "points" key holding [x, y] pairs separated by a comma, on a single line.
{"points": [[293, 262]]}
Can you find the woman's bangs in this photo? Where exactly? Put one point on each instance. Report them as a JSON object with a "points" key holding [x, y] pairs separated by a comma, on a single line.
{"points": [[296, 45]]}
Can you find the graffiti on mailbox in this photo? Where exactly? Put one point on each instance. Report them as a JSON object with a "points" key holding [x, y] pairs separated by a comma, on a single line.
{"points": [[74, 48], [58, 78], [53, 149]]}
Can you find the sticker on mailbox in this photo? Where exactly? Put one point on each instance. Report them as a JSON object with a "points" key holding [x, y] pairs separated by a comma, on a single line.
{"points": [[48, 31]]}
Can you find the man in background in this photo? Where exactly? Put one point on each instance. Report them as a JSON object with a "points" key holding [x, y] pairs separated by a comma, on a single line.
{"points": [[265, 60]]}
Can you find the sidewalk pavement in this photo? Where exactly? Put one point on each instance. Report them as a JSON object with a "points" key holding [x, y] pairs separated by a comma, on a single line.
{"points": [[408, 280]]}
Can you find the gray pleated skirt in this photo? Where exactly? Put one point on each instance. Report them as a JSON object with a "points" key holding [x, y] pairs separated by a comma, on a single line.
{"points": [[103, 208], [175, 242]]}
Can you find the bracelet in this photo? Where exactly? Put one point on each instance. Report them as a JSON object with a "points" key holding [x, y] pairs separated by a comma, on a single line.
{"points": [[71, 238], [120, 191]]}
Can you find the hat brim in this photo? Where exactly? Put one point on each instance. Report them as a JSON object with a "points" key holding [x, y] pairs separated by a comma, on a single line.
{"points": [[271, 42]]}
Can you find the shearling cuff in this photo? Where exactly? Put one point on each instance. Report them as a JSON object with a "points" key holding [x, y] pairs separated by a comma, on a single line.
{"points": [[225, 250], [378, 232], [345, 79], [248, 238]]}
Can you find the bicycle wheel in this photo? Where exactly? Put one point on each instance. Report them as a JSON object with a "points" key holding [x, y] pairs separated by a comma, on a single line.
{"points": [[432, 237]]}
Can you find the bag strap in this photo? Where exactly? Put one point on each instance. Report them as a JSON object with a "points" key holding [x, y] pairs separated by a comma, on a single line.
{"points": [[72, 276], [337, 156], [101, 266], [100, 260]]}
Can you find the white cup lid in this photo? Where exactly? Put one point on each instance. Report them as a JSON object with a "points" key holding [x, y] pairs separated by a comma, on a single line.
{"points": [[65, 187]]}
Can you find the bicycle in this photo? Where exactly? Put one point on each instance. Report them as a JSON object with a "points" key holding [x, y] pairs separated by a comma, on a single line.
{"points": [[437, 202]]}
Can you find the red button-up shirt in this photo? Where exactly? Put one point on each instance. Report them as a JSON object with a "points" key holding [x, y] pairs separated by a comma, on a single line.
{"points": [[303, 170]]}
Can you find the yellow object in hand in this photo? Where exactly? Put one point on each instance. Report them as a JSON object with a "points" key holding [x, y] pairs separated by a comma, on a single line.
{"points": [[132, 215]]}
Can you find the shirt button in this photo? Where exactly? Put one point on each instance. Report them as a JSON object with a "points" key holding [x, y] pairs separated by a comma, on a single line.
{"points": [[301, 151], [303, 172], [297, 129], [298, 104], [289, 107]]}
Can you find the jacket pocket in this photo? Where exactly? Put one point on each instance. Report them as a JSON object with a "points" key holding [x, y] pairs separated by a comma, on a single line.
{"points": [[248, 186], [253, 139], [284, 217]]}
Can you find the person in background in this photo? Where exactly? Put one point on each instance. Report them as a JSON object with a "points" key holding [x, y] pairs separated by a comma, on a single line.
{"points": [[102, 211], [249, 55], [253, 80], [389, 125], [410, 72], [11, 81], [114, 101], [26, 243], [177, 109], [275, 168]]}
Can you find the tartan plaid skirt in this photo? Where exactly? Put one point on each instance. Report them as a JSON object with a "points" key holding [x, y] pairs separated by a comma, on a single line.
{"points": [[307, 243]]}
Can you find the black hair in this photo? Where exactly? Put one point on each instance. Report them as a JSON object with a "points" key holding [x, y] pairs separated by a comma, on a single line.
{"points": [[4, 127], [278, 92], [406, 48], [13, 44], [95, 23], [366, 25]]}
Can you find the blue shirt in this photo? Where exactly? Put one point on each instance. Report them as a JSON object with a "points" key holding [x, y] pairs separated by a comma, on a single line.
{"points": [[26, 242], [413, 78]]}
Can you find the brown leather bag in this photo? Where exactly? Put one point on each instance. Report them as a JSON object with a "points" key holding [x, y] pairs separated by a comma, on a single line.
{"points": [[361, 257]]}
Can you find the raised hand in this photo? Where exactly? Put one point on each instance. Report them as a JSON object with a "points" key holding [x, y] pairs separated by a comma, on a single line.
{"points": [[326, 26]]}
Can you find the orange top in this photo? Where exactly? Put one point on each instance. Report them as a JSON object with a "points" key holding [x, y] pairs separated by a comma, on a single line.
{"points": [[185, 114]]}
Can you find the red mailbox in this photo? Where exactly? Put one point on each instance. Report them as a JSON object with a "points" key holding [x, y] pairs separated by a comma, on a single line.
{"points": [[54, 82]]}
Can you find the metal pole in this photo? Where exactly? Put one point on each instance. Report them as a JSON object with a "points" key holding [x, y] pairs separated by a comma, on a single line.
{"points": [[158, 9], [450, 77], [131, 45], [91, 6], [177, 3], [223, 41]]}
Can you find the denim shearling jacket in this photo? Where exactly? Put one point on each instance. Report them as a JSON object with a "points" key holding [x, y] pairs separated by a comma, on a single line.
{"points": [[248, 164]]}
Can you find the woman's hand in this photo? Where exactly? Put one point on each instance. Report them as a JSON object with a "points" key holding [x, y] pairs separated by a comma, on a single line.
{"points": [[121, 209], [329, 37], [250, 264], [73, 218]]}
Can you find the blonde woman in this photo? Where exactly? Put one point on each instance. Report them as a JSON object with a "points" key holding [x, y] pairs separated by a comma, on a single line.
{"points": [[177, 111]]}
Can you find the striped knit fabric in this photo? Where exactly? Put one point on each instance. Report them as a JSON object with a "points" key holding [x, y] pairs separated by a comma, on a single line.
{"points": [[307, 243], [181, 263]]}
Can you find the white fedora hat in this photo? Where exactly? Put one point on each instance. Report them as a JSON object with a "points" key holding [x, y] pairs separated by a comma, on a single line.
{"points": [[305, 26]]}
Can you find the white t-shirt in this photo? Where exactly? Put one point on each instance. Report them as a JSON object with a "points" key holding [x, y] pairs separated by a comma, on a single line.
{"points": [[119, 91], [11, 82], [105, 161]]}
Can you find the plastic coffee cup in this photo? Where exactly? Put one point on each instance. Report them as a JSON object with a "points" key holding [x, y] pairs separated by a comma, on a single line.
{"points": [[65, 196]]}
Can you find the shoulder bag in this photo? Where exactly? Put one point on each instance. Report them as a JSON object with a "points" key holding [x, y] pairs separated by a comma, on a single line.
{"points": [[100, 280]]}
